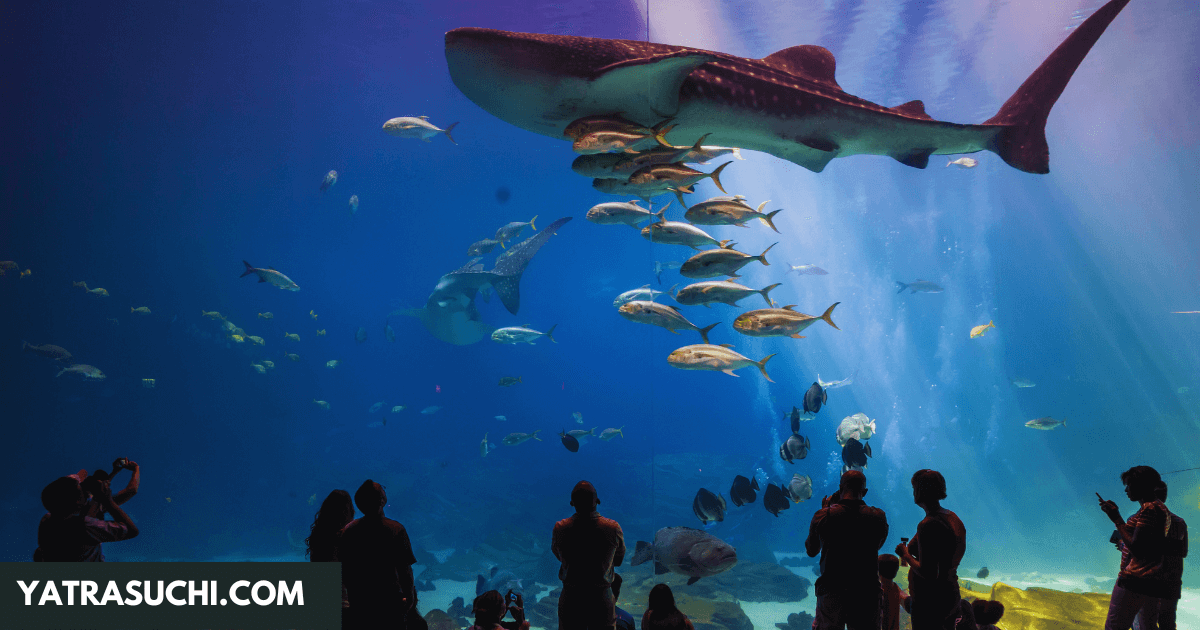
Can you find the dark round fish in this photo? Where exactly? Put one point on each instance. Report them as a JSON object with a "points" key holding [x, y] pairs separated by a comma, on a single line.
{"points": [[794, 447], [774, 499], [814, 398], [794, 418], [708, 507], [743, 490], [855, 454], [982, 573], [571, 443]]}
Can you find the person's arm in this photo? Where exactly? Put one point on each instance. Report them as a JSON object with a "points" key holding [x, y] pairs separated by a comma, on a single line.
{"points": [[131, 488], [404, 561], [554, 544], [812, 544], [886, 529], [105, 498], [619, 555], [1110, 509]]}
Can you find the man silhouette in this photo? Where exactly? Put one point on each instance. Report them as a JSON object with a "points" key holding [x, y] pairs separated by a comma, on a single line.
{"points": [[377, 561], [848, 534], [589, 546]]}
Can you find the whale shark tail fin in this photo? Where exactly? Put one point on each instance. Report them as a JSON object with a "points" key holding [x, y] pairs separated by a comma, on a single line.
{"points": [[1022, 144], [508, 270]]}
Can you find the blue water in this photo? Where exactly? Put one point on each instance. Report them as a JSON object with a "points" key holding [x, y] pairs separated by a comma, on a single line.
{"points": [[150, 149]]}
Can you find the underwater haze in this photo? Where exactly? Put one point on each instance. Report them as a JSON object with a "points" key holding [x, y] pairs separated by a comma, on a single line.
{"points": [[150, 148]]}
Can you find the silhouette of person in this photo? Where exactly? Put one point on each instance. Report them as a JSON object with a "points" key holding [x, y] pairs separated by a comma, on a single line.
{"points": [[589, 546], [69, 532], [848, 534], [623, 620], [987, 613], [336, 511], [1175, 549], [135, 480], [377, 561], [490, 607], [1143, 581], [661, 612], [933, 555], [893, 595]]}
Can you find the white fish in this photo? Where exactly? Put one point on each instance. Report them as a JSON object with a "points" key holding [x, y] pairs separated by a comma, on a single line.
{"points": [[521, 334], [808, 270], [353, 205], [270, 276], [836, 384], [643, 293], [397, 408], [417, 127], [430, 409], [618, 213], [502, 418], [1022, 382], [578, 418], [376, 407], [964, 162]]}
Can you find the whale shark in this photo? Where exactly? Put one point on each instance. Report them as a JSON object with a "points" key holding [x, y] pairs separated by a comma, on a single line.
{"points": [[787, 104], [450, 313]]}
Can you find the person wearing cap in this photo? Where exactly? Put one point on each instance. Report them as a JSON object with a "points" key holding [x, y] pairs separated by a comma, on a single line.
{"points": [[74, 527], [589, 546], [377, 560]]}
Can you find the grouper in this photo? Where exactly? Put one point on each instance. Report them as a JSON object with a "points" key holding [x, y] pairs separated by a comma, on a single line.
{"points": [[686, 551]]}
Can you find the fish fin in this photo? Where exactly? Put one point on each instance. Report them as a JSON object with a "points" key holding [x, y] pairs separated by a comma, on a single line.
{"points": [[660, 135], [704, 331], [535, 435], [1064, 422], [660, 568], [643, 551], [1022, 141], [698, 145], [672, 291], [447, 132], [763, 256], [550, 333], [754, 483], [867, 449], [531, 225], [814, 63], [729, 372], [768, 220], [726, 244], [918, 158], [692, 580], [660, 77], [737, 153], [762, 367], [249, 270], [911, 109], [902, 287], [828, 313], [796, 336], [716, 175], [725, 345], [765, 294], [261, 279], [789, 307], [481, 583]]}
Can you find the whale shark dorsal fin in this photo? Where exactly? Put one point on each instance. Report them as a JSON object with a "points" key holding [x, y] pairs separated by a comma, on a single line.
{"points": [[657, 78], [912, 109], [810, 62]]}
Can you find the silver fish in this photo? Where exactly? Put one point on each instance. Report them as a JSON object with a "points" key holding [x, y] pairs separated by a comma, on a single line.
{"points": [[521, 334], [1046, 423], [271, 276], [644, 293], [661, 315], [779, 322], [618, 213], [417, 127], [715, 358], [730, 211], [919, 286], [720, 262], [807, 270], [799, 488], [329, 181], [679, 233], [720, 292], [513, 439]]}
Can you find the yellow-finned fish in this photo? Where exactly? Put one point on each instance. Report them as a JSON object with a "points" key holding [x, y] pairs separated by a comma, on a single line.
{"points": [[144, 310], [98, 292], [715, 358], [270, 364], [258, 340], [6, 265], [292, 336], [238, 338], [213, 315], [148, 383], [261, 369], [312, 315], [779, 322], [979, 330], [267, 315], [26, 273], [321, 333]]}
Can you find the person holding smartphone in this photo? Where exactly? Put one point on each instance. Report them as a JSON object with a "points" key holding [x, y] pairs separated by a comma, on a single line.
{"points": [[1143, 580]]}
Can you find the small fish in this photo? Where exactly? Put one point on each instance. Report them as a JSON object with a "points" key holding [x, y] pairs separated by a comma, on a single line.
{"points": [[568, 441], [417, 127], [502, 418], [680, 233], [795, 447], [360, 335], [98, 292], [353, 205], [397, 408], [857, 426], [775, 500], [611, 433], [9, 265], [322, 404], [675, 177], [261, 369], [432, 409], [321, 333], [919, 286], [510, 231], [582, 434], [720, 262], [291, 336], [720, 292], [1046, 423], [26, 273], [807, 270], [836, 384], [661, 315], [963, 162], [270, 276], [49, 351], [610, 122], [708, 507], [238, 338], [483, 446], [779, 322], [715, 358], [743, 491], [148, 383], [578, 417], [270, 364], [378, 424], [509, 381], [513, 439], [168, 499], [1022, 382], [979, 330], [479, 248], [814, 398], [617, 140], [79, 285], [329, 180], [388, 332], [854, 455], [238, 331], [643, 293], [313, 314], [84, 372], [795, 417], [799, 488], [729, 211], [257, 340], [267, 315], [521, 334], [982, 573], [228, 326], [618, 213], [375, 408], [292, 357]]}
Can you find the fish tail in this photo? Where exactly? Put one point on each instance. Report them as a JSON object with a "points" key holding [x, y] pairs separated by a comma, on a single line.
{"points": [[716, 175], [673, 292], [828, 313], [661, 133], [949, 163], [726, 244], [762, 258], [1021, 141], [769, 219], [550, 333], [902, 287], [531, 225], [534, 436], [704, 331], [1064, 421], [737, 153], [679, 195], [60, 373], [662, 123], [447, 132], [249, 270], [766, 294], [621, 432], [762, 366]]}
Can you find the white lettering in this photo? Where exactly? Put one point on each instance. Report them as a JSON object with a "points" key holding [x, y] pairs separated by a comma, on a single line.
{"points": [[295, 595], [171, 589], [151, 600], [28, 590], [233, 593], [135, 598], [264, 601], [50, 593], [87, 592], [111, 592], [70, 584], [213, 592], [193, 592]]}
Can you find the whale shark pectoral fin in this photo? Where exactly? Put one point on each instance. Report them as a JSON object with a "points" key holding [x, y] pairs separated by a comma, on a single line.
{"points": [[811, 154], [916, 159], [657, 79]]}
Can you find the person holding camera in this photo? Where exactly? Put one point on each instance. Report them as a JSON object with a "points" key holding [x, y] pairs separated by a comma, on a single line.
{"points": [[74, 528], [491, 607]]}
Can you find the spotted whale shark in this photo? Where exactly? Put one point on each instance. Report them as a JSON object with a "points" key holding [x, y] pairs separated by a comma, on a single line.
{"points": [[788, 104], [450, 313]]}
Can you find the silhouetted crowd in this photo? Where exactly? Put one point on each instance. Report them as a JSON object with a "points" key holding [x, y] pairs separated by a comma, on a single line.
{"points": [[856, 588]]}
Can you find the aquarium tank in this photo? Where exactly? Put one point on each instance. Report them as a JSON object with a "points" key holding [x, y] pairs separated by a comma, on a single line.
{"points": [[705, 255]]}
